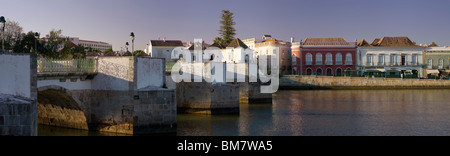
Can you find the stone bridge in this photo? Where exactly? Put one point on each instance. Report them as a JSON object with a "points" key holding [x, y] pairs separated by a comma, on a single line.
{"points": [[121, 94], [131, 95]]}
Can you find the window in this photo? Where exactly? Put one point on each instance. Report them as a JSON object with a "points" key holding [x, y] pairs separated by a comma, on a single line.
{"points": [[369, 60], [403, 63], [339, 59], [430, 64], [309, 59], [294, 59], [329, 59], [349, 59], [414, 60], [319, 59], [393, 60], [380, 60], [441, 63]]}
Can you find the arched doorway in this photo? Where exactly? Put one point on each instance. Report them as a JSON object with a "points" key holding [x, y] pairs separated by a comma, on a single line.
{"points": [[339, 72], [319, 72], [309, 71], [329, 72]]}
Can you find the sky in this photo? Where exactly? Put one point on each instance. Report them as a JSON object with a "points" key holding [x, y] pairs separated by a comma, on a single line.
{"points": [[112, 21]]}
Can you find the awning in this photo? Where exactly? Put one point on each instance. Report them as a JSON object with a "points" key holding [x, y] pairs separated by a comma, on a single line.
{"points": [[432, 72]]}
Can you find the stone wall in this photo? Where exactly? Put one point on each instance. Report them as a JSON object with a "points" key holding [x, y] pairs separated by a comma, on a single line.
{"points": [[207, 98], [18, 75], [54, 115], [18, 94], [17, 116], [150, 72], [313, 82]]}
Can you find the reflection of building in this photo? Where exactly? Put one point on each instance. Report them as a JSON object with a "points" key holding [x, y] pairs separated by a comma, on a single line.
{"points": [[325, 56], [437, 61], [390, 57], [163, 48]]}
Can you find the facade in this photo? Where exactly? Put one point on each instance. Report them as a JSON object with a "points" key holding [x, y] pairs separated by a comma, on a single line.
{"points": [[391, 57], [237, 52], [296, 58], [437, 60], [163, 49], [285, 60], [102, 46], [324, 56]]}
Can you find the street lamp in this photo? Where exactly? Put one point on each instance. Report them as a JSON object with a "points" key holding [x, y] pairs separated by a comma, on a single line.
{"points": [[36, 36], [132, 41], [3, 22]]}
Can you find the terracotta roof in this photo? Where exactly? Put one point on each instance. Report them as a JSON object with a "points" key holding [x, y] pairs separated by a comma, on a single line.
{"points": [[375, 42], [218, 45], [321, 40], [167, 43], [325, 42], [363, 43], [433, 44], [237, 43], [394, 42], [204, 46], [142, 54]]}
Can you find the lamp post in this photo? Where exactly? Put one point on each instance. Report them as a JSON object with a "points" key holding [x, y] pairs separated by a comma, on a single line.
{"points": [[132, 42], [3, 22], [126, 46], [36, 36]]}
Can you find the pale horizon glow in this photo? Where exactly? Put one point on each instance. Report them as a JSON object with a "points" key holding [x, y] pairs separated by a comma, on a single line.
{"points": [[112, 21]]}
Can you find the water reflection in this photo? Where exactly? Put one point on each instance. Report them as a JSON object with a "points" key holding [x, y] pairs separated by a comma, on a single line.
{"points": [[332, 112]]}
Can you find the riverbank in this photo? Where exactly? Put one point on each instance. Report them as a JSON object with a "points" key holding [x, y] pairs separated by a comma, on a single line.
{"points": [[329, 82]]}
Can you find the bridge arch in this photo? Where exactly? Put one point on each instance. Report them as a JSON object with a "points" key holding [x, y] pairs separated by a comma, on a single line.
{"points": [[57, 107]]}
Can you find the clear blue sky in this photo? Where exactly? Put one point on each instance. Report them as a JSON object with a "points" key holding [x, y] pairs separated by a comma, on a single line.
{"points": [[112, 21]]}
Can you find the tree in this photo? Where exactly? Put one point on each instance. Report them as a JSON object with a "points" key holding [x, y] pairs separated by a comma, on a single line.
{"points": [[227, 31], [13, 34], [26, 44], [137, 52], [52, 42]]}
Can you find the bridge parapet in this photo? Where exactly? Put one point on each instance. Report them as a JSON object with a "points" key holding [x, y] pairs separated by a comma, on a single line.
{"points": [[46, 65]]}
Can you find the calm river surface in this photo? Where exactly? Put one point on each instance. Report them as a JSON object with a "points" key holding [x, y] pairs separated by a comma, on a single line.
{"points": [[325, 113]]}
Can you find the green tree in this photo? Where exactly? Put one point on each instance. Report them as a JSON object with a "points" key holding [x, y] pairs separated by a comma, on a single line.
{"points": [[227, 30], [108, 50], [137, 52], [52, 42], [26, 44]]}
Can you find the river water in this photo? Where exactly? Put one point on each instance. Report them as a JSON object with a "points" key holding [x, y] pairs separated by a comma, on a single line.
{"points": [[325, 113]]}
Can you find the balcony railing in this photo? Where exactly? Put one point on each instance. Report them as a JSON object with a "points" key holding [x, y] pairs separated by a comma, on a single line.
{"points": [[45, 65]]}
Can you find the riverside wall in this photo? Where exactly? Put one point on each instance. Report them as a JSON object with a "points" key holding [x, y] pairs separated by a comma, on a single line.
{"points": [[327, 82], [18, 95]]}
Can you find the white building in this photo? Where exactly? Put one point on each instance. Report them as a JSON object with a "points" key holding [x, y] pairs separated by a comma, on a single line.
{"points": [[238, 52], [164, 48], [102, 46], [391, 55]]}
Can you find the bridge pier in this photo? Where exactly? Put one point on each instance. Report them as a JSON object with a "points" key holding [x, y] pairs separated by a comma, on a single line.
{"points": [[207, 98]]}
